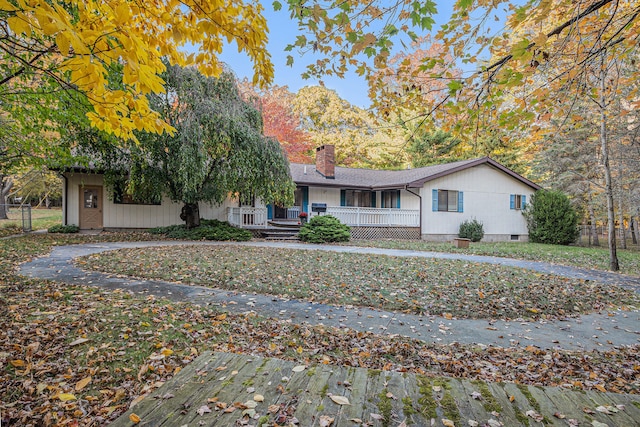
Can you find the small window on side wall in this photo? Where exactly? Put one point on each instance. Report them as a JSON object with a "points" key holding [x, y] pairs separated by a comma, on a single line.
{"points": [[518, 201]]}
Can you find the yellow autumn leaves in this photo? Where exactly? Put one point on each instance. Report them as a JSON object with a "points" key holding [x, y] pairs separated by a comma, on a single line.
{"points": [[85, 40]]}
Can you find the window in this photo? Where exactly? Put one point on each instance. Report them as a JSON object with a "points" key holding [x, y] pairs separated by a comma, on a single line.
{"points": [[90, 199], [122, 197], [447, 201], [357, 198], [518, 201], [391, 199]]}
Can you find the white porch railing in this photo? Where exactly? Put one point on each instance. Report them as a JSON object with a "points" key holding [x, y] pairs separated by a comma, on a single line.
{"points": [[247, 217], [293, 212], [355, 216]]}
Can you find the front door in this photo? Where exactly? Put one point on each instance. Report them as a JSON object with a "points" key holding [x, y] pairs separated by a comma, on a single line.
{"points": [[280, 212], [90, 207]]}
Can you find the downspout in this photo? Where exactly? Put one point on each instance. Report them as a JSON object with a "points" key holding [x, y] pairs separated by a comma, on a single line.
{"points": [[406, 187], [65, 198]]}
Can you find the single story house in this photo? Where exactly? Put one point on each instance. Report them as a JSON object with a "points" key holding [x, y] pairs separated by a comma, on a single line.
{"points": [[425, 203]]}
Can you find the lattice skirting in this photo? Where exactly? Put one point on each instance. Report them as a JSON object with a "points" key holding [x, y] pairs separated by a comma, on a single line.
{"points": [[372, 233]]}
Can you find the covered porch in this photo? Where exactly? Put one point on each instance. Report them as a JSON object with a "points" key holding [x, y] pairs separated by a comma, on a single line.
{"points": [[250, 217]]}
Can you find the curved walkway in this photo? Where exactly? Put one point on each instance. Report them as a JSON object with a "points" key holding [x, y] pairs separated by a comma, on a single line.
{"points": [[593, 331]]}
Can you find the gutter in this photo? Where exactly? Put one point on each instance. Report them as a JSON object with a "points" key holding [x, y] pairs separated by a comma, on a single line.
{"points": [[406, 187]]}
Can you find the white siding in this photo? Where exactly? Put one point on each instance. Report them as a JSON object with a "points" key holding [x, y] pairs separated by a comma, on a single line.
{"points": [[486, 198], [118, 216], [408, 200], [330, 196]]}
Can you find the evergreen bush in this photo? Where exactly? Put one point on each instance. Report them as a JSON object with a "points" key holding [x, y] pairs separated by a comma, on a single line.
{"points": [[324, 229], [209, 229], [59, 228], [472, 230], [551, 218]]}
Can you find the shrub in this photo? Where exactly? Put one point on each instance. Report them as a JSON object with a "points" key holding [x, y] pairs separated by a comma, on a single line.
{"points": [[551, 218], [209, 229], [472, 230], [59, 228], [323, 229]]}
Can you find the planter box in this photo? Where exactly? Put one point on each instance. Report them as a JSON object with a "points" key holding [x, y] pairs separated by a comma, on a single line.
{"points": [[461, 243]]}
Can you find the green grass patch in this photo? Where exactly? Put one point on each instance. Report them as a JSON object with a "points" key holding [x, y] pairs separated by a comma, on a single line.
{"points": [[591, 257]]}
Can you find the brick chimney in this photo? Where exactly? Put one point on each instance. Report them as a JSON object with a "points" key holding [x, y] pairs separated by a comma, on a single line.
{"points": [[326, 161]]}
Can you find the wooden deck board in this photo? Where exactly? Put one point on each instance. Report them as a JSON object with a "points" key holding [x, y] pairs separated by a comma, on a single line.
{"points": [[471, 408], [375, 397]]}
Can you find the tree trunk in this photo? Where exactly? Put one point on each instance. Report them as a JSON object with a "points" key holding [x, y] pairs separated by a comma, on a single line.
{"points": [[623, 232], [594, 227], [5, 187], [633, 225], [604, 146], [190, 215]]}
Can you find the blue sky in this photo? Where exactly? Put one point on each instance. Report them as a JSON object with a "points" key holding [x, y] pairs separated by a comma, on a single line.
{"points": [[282, 31]]}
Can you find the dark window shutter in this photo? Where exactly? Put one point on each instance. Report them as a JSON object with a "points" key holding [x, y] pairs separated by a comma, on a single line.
{"points": [[343, 198], [512, 201], [434, 200], [373, 199], [460, 202], [305, 199], [398, 199]]}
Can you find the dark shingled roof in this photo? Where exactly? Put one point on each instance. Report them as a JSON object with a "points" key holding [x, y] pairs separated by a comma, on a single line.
{"points": [[371, 179]]}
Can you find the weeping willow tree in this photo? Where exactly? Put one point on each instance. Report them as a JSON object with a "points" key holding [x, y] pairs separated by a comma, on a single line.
{"points": [[217, 150]]}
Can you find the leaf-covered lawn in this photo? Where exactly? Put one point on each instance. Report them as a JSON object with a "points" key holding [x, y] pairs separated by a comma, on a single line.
{"points": [[433, 286], [590, 257], [74, 355]]}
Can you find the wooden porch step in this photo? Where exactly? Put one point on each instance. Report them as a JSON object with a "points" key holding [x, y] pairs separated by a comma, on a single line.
{"points": [[286, 223], [224, 389], [282, 237], [284, 234]]}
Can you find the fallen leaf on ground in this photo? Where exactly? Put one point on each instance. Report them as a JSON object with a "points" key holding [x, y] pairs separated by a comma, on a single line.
{"points": [[533, 414], [78, 342], [65, 397], [340, 400], [325, 421], [82, 383], [204, 409]]}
